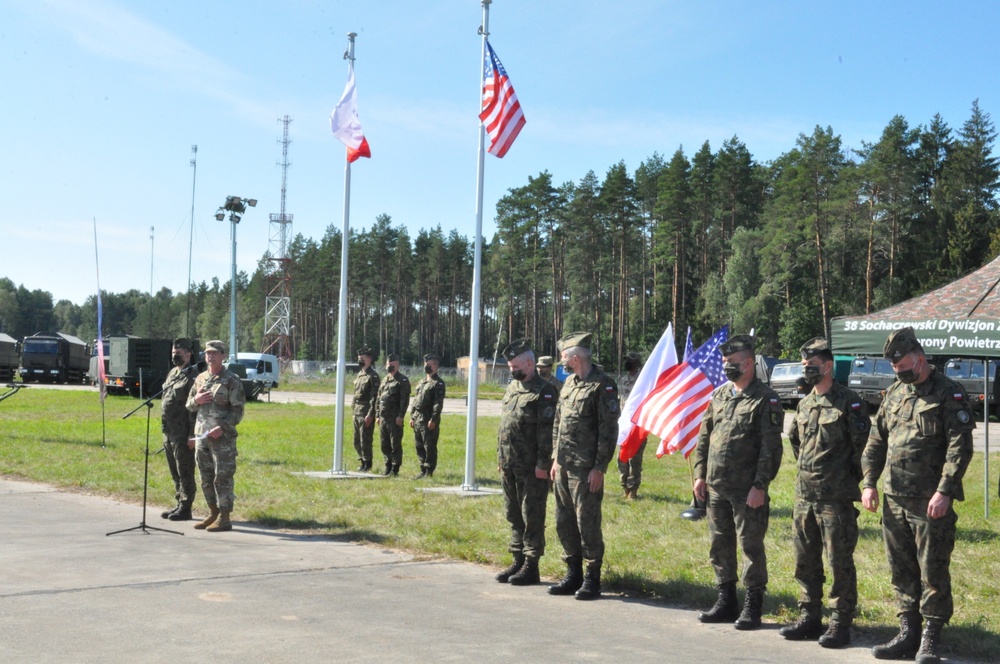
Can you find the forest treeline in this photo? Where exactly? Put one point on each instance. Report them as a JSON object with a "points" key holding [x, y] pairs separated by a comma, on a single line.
{"points": [[697, 240]]}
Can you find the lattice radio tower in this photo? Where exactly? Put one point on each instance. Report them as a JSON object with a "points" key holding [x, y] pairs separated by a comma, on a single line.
{"points": [[278, 306]]}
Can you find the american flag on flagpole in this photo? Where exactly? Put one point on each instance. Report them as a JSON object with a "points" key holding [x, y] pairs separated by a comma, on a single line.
{"points": [[674, 409], [501, 113]]}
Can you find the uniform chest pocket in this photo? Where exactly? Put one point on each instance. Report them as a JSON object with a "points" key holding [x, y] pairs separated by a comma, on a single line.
{"points": [[928, 418], [529, 408], [220, 395]]}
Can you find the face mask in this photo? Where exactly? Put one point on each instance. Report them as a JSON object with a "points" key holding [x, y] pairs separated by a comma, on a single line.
{"points": [[390, 368], [428, 369], [907, 375], [518, 374], [813, 374], [732, 371], [178, 361], [630, 366]]}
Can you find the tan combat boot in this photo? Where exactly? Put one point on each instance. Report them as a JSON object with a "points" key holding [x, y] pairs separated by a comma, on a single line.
{"points": [[208, 520], [223, 524]]}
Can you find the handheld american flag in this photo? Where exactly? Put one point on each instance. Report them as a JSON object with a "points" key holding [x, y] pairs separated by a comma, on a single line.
{"points": [[501, 115]]}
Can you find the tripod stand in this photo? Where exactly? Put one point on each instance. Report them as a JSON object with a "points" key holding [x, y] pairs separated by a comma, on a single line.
{"points": [[148, 403]]}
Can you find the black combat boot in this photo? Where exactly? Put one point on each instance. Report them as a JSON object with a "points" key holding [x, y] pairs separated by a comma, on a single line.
{"points": [[905, 644], [573, 579], [591, 588], [930, 643], [725, 609], [808, 627], [182, 513], [166, 515], [527, 575], [837, 636], [504, 576], [752, 607]]}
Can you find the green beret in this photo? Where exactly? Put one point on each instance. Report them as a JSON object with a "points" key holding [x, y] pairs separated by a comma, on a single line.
{"points": [[216, 345], [392, 357], [431, 356], [900, 343], [546, 361], [573, 339], [367, 350], [737, 343], [815, 346], [515, 348], [182, 343]]}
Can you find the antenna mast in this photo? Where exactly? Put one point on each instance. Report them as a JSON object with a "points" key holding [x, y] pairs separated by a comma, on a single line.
{"points": [[278, 304]]}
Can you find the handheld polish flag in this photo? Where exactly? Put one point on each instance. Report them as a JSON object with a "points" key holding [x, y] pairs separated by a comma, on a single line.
{"points": [[344, 122], [664, 356], [501, 116], [674, 409]]}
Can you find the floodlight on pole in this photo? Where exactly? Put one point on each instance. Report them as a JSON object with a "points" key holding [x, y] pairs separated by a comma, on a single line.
{"points": [[236, 206]]}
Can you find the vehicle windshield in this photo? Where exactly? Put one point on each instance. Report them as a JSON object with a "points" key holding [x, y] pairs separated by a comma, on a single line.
{"points": [[41, 346], [883, 367], [955, 369], [248, 363]]}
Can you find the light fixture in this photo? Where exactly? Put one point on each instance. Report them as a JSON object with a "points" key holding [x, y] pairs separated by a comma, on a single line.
{"points": [[220, 215]]}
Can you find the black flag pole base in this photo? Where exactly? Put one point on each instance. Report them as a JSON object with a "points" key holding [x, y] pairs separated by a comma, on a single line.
{"points": [[696, 512], [145, 529]]}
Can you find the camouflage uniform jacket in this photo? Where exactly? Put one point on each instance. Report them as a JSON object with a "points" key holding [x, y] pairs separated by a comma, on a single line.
{"points": [[428, 400], [828, 436], [226, 408], [365, 390], [586, 422], [177, 421], [924, 433], [524, 440], [554, 382], [393, 396], [739, 444], [625, 384]]}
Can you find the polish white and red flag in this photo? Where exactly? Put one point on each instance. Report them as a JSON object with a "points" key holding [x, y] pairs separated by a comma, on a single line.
{"points": [[344, 121], [663, 358], [501, 114], [673, 410]]}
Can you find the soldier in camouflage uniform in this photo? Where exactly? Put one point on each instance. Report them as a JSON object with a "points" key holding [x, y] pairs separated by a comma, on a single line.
{"points": [[922, 440], [630, 472], [827, 436], [425, 416], [737, 456], [365, 390], [218, 399], [177, 423], [524, 458], [390, 406], [586, 430], [544, 368]]}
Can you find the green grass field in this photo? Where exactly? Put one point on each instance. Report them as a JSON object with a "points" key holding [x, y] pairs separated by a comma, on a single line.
{"points": [[56, 437]]}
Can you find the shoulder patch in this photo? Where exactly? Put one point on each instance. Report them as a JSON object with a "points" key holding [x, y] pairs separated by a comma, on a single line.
{"points": [[547, 396], [856, 406], [958, 396], [775, 401], [609, 388], [963, 416]]}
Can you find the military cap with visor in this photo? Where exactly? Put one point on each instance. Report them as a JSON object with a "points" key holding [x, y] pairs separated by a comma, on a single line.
{"points": [[546, 361], [216, 345]]}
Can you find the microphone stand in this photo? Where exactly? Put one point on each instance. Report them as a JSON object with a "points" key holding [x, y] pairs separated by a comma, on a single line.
{"points": [[148, 403], [12, 389]]}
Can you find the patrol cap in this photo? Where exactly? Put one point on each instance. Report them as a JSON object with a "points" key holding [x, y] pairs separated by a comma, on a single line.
{"points": [[737, 343], [515, 348], [816, 346], [183, 343], [216, 345], [632, 355], [546, 361], [572, 339], [367, 350], [392, 357], [900, 343], [431, 356]]}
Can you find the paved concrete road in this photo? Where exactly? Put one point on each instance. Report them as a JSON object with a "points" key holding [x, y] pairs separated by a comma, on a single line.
{"points": [[69, 593]]}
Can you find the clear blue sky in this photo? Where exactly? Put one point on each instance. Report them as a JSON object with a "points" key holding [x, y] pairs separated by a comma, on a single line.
{"points": [[103, 100]]}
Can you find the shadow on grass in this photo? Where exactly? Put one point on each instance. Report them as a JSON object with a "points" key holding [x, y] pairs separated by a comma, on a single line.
{"points": [[976, 535], [60, 440], [343, 531]]}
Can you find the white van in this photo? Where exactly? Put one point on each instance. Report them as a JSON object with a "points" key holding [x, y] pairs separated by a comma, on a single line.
{"points": [[261, 367]]}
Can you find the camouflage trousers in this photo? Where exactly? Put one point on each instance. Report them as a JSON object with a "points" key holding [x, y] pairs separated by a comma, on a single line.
{"points": [[729, 521], [217, 465], [630, 471], [919, 551], [524, 498], [391, 436], [363, 439], [426, 442], [831, 527], [578, 517], [180, 460]]}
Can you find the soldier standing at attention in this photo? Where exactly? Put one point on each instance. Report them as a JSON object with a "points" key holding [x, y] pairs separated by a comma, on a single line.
{"points": [[828, 435], [738, 454], [524, 458], [586, 430], [630, 472], [390, 406], [544, 368], [177, 423], [365, 390], [218, 399], [425, 416], [922, 440]]}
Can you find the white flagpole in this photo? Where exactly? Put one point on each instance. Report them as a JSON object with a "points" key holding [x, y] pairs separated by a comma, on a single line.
{"points": [[338, 431], [470, 432]]}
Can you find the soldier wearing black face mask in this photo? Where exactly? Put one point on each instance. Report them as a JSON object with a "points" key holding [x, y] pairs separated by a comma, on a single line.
{"points": [[177, 424], [425, 416], [390, 406]]}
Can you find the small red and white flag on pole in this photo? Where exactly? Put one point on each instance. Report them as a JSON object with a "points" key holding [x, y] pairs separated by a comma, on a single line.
{"points": [[344, 122], [501, 114], [664, 356]]}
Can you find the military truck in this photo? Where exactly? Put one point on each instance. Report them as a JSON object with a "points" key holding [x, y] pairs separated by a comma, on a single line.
{"points": [[8, 358], [788, 382], [93, 373], [138, 366], [870, 377], [53, 357], [968, 373]]}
